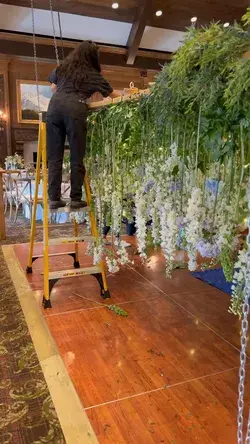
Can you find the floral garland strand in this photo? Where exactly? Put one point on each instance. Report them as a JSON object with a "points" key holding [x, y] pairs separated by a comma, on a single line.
{"points": [[238, 285], [193, 226]]}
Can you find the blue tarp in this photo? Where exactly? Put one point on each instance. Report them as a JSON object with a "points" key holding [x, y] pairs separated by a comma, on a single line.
{"points": [[215, 278]]}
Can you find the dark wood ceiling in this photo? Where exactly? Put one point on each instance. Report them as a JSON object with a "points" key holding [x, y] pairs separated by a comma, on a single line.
{"points": [[91, 8], [176, 14]]}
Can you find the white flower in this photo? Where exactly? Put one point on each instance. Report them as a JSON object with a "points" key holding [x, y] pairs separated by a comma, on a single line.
{"points": [[90, 249], [116, 203], [122, 252], [140, 203], [98, 251], [193, 220], [112, 265], [168, 235], [239, 279]]}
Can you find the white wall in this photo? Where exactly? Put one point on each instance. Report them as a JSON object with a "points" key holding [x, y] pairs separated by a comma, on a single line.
{"points": [[161, 39], [28, 149]]}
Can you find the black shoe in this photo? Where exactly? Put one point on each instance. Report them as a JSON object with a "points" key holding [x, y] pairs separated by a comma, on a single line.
{"points": [[55, 204], [77, 204]]}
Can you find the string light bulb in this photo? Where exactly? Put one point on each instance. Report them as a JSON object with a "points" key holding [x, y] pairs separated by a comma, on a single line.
{"points": [[158, 13], [226, 25], [193, 19], [115, 5]]}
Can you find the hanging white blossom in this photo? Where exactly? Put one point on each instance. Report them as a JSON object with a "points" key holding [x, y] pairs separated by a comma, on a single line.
{"points": [[193, 229]]}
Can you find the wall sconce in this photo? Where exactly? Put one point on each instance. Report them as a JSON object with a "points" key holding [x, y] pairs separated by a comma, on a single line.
{"points": [[3, 116]]}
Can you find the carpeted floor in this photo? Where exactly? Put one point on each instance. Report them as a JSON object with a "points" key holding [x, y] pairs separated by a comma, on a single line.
{"points": [[19, 232], [26, 409]]}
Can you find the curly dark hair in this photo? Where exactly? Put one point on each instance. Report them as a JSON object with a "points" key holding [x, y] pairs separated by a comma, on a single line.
{"points": [[78, 63]]}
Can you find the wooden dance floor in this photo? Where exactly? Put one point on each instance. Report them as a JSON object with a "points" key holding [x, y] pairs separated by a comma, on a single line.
{"points": [[168, 373]]}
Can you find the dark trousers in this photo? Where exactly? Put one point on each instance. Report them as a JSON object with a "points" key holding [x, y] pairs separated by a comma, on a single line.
{"points": [[66, 116]]}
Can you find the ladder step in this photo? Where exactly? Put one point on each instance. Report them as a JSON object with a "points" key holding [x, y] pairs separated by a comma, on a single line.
{"points": [[68, 210], [63, 225], [66, 253], [70, 240], [74, 273]]}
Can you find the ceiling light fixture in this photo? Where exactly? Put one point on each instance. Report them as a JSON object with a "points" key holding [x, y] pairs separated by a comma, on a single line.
{"points": [[226, 25], [158, 13], [115, 5]]}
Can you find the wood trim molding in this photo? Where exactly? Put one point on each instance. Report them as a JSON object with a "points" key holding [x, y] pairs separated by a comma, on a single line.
{"points": [[106, 49], [25, 38], [7, 110], [4, 66]]}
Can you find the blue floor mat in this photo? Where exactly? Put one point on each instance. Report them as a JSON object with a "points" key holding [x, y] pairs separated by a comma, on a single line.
{"points": [[215, 278]]}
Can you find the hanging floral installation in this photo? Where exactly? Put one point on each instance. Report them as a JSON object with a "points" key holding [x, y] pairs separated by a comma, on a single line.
{"points": [[177, 161]]}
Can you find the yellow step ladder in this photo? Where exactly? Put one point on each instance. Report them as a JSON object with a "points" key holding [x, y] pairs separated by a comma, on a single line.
{"points": [[51, 278]]}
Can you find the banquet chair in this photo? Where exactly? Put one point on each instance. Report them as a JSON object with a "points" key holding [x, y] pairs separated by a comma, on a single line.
{"points": [[10, 191], [20, 193], [5, 194], [8, 194]]}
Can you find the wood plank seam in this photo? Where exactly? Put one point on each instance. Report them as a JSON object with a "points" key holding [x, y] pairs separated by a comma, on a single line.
{"points": [[163, 388], [187, 311]]}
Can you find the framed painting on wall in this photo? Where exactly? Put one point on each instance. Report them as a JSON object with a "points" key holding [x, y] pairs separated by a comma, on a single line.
{"points": [[27, 104]]}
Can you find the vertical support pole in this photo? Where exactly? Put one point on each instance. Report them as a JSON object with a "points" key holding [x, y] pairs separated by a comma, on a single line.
{"points": [[248, 429], [34, 210], [244, 341], [46, 299], [2, 217], [94, 230]]}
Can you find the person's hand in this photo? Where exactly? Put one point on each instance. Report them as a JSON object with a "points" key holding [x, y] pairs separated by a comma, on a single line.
{"points": [[108, 100]]}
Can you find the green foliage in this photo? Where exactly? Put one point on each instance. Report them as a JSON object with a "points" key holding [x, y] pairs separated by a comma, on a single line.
{"points": [[208, 77], [117, 310], [246, 18], [237, 301], [200, 101], [227, 260], [237, 92]]}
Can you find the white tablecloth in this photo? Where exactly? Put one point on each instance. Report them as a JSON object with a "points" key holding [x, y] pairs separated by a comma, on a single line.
{"points": [[57, 218]]}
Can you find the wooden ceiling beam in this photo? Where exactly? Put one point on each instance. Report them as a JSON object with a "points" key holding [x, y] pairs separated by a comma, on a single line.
{"points": [[49, 41], [137, 30], [47, 52]]}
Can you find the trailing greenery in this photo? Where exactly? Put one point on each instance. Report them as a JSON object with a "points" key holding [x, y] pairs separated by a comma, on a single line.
{"points": [[180, 156], [118, 311]]}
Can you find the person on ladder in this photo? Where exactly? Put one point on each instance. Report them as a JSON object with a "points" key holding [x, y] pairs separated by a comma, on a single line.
{"points": [[74, 81]]}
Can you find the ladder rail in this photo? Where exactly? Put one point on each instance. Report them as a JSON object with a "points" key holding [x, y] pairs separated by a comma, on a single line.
{"points": [[50, 279], [45, 208], [35, 202], [76, 232]]}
